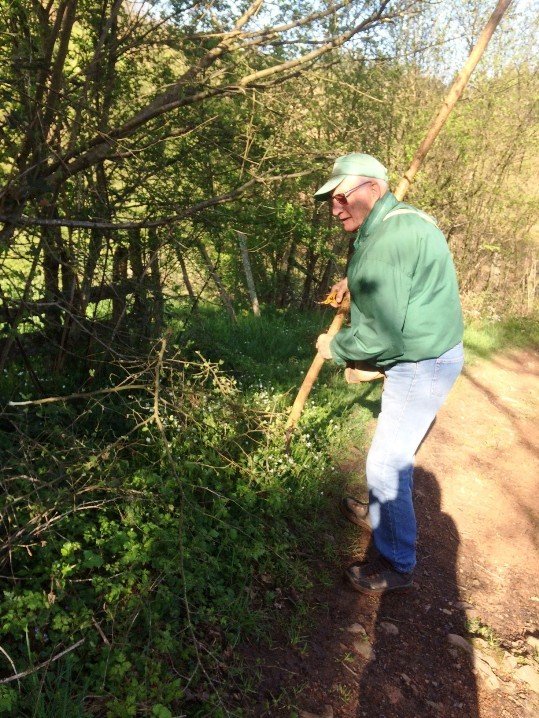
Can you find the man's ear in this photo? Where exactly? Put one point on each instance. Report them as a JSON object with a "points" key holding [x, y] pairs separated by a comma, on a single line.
{"points": [[376, 191]]}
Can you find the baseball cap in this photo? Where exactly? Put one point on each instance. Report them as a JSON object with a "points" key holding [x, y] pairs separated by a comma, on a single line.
{"points": [[356, 163]]}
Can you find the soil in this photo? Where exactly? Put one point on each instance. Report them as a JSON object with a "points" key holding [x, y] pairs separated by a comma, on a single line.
{"points": [[477, 505]]}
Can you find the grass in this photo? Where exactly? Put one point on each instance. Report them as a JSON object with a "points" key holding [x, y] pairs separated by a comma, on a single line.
{"points": [[482, 338], [273, 353]]}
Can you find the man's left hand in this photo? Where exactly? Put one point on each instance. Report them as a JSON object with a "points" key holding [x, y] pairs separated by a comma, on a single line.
{"points": [[322, 344]]}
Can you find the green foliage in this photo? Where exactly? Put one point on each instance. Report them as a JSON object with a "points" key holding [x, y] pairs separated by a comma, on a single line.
{"points": [[269, 351], [477, 628]]}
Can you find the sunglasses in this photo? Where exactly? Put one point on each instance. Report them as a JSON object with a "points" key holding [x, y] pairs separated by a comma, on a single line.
{"points": [[342, 197]]}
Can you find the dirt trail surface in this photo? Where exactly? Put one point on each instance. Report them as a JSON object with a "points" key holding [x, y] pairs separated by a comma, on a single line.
{"points": [[464, 642]]}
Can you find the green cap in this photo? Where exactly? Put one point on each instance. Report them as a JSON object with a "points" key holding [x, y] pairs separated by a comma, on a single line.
{"points": [[356, 163]]}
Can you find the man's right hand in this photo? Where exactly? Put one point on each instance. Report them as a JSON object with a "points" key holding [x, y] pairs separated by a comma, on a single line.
{"points": [[341, 291]]}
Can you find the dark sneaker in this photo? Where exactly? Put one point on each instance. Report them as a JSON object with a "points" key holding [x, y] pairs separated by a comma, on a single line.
{"points": [[377, 577], [356, 512]]}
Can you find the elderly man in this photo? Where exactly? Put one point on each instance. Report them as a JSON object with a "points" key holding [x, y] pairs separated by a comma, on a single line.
{"points": [[406, 319]]}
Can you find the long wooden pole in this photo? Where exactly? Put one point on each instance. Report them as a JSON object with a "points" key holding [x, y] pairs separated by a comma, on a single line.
{"points": [[451, 99], [314, 371]]}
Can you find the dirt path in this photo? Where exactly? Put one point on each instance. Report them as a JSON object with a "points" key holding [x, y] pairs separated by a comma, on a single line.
{"points": [[477, 504]]}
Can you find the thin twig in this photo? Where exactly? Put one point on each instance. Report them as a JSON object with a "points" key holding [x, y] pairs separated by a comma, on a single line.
{"points": [[10, 660], [100, 631], [45, 664]]}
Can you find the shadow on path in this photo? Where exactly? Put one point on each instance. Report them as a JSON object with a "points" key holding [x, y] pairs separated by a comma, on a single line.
{"points": [[415, 670]]}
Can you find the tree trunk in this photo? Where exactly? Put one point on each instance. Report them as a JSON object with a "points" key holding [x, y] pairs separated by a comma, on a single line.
{"points": [[51, 274], [155, 280], [140, 303], [325, 281], [531, 285], [248, 273], [119, 277], [225, 297], [312, 258], [94, 250], [185, 275], [284, 293]]}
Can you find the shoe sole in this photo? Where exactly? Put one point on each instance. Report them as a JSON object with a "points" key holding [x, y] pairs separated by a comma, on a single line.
{"points": [[377, 591], [350, 516]]}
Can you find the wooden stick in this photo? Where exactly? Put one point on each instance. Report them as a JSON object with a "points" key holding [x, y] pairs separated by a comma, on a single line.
{"points": [[314, 371], [432, 133]]}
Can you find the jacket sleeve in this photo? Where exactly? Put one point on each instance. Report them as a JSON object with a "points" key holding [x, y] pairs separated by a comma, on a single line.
{"points": [[380, 293]]}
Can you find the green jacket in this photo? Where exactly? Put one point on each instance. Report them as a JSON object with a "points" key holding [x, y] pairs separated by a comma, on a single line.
{"points": [[404, 296]]}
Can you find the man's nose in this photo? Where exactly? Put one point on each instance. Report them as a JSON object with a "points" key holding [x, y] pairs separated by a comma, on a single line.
{"points": [[335, 207]]}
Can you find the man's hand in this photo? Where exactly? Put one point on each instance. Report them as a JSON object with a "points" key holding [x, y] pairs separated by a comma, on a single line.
{"points": [[341, 291], [322, 344]]}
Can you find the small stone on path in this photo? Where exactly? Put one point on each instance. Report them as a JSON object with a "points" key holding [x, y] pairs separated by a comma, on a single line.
{"points": [[364, 649], [533, 641], [480, 642], [460, 642], [485, 671], [492, 662], [482, 664], [394, 694], [389, 628], [357, 629], [509, 661]]}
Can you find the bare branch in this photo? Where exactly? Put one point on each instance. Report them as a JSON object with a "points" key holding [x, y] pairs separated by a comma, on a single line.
{"points": [[145, 224], [80, 395], [181, 95], [45, 664]]}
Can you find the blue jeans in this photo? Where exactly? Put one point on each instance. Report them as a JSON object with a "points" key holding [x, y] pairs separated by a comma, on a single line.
{"points": [[413, 393]]}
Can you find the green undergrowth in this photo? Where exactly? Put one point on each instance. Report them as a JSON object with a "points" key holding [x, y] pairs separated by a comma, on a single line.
{"points": [[148, 532]]}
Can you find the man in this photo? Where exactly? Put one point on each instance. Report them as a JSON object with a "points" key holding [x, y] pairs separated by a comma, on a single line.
{"points": [[405, 319]]}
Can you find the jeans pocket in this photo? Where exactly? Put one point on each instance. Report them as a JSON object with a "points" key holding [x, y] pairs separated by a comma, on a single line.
{"points": [[446, 370]]}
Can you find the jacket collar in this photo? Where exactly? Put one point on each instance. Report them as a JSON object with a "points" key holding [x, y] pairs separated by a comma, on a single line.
{"points": [[384, 205]]}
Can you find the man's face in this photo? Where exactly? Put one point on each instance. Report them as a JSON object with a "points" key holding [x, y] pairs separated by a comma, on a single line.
{"points": [[360, 202]]}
